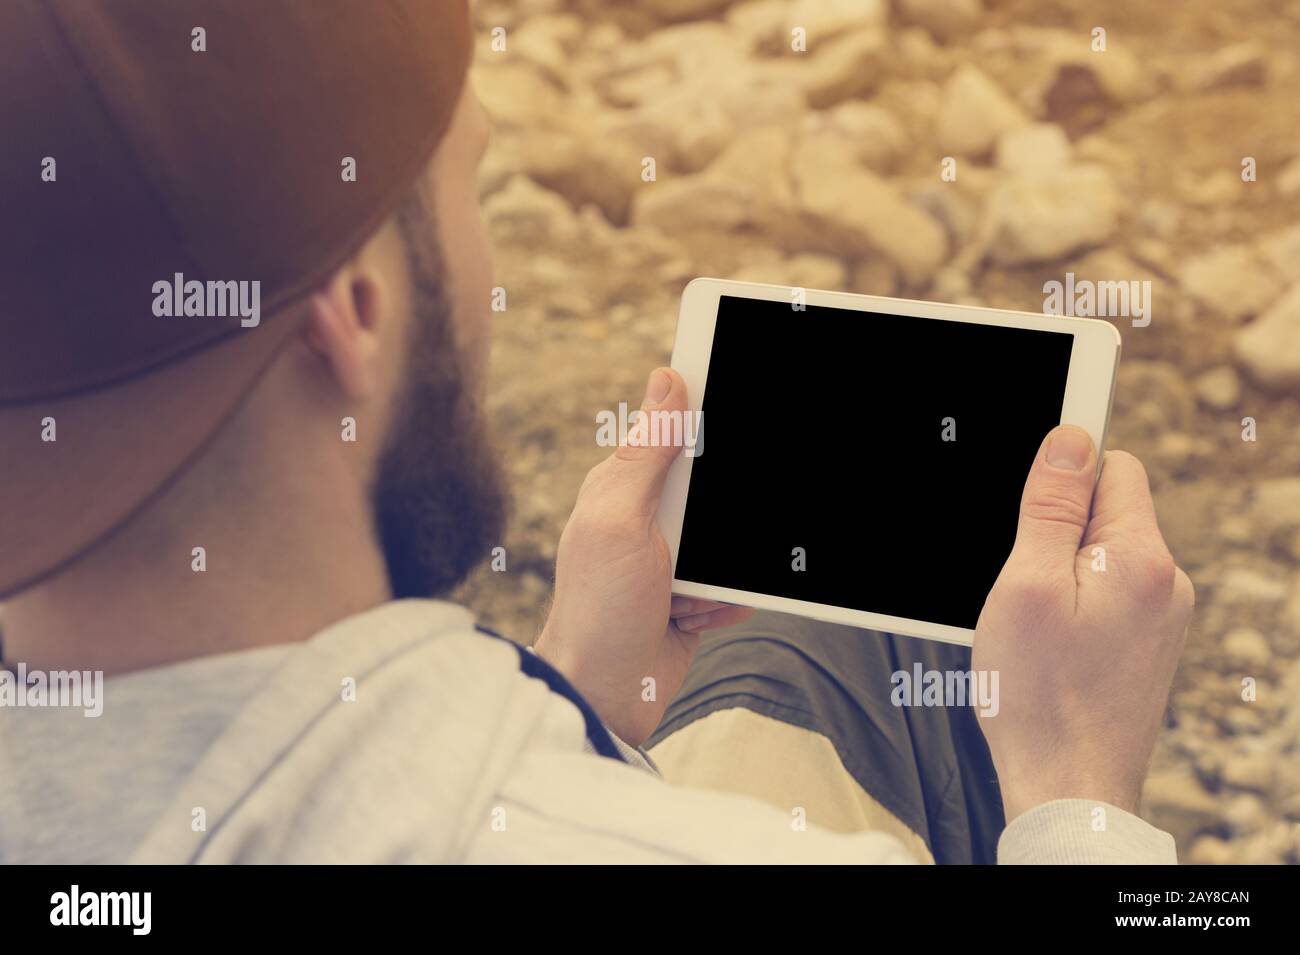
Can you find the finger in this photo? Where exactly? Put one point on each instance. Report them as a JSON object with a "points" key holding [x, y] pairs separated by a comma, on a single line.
{"points": [[636, 472], [724, 617], [1122, 506], [1056, 503], [687, 606]]}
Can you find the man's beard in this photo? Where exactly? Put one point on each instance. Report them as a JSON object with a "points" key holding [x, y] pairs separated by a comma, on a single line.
{"points": [[439, 496]]}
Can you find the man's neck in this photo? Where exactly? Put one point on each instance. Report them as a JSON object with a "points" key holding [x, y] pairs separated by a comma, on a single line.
{"points": [[279, 563], [115, 612]]}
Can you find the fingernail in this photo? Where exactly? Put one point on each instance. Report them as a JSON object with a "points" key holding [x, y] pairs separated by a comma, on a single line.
{"points": [[1069, 449], [658, 387], [681, 605], [698, 622]]}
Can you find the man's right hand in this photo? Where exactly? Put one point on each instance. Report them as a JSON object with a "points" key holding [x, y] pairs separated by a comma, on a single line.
{"points": [[1085, 656]]}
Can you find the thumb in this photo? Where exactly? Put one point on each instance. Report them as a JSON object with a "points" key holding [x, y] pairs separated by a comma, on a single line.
{"points": [[1057, 501], [654, 440]]}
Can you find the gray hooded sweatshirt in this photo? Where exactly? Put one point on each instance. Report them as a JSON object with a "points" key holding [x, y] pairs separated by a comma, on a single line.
{"points": [[402, 735]]}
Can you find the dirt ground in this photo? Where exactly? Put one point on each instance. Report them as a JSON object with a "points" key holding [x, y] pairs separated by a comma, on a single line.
{"points": [[775, 165]]}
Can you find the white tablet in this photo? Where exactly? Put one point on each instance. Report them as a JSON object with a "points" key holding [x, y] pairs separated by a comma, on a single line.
{"points": [[860, 460]]}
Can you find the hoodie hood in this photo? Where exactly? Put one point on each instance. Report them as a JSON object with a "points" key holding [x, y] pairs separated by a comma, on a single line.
{"points": [[381, 739]]}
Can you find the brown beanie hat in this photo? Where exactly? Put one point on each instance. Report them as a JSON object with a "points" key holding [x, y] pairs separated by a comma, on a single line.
{"points": [[166, 161]]}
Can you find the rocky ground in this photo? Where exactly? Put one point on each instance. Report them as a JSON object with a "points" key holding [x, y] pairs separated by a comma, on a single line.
{"points": [[822, 169]]}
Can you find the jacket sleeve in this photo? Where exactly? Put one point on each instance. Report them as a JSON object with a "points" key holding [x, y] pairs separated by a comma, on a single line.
{"points": [[580, 808], [1083, 832]]}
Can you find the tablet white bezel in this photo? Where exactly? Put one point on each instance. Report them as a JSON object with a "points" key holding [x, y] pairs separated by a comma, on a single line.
{"points": [[1089, 389]]}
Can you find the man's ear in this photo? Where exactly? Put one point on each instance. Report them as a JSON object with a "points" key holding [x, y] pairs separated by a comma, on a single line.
{"points": [[342, 329]]}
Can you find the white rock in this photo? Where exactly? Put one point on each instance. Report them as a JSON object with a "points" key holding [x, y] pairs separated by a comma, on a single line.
{"points": [[516, 94], [824, 19], [859, 213], [838, 67], [546, 42], [1041, 216], [1230, 279], [1236, 529], [916, 54], [692, 91], [760, 159], [1245, 813], [747, 188], [869, 131], [916, 101], [807, 270], [1275, 843], [604, 168], [1247, 645], [602, 38], [695, 203], [1174, 450], [950, 285], [1268, 349], [1210, 850], [703, 125], [1219, 389], [973, 112], [1275, 504], [1242, 64], [1038, 146], [1244, 585], [704, 55], [764, 23], [1175, 798]]}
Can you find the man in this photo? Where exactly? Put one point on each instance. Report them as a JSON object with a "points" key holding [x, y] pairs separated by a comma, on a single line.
{"points": [[230, 497]]}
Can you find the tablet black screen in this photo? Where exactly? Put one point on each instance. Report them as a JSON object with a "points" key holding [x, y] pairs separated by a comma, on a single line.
{"points": [[826, 430]]}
